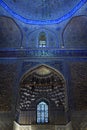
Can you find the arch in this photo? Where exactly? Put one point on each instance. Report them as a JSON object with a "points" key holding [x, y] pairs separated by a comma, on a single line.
{"points": [[74, 37], [41, 84], [50, 34], [10, 32], [44, 80], [41, 66]]}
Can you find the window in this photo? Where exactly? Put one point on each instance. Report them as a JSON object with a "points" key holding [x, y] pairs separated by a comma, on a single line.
{"points": [[42, 39], [42, 112]]}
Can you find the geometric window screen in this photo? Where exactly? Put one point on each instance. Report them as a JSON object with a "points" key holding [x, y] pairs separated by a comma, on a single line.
{"points": [[42, 44], [42, 112], [42, 39]]}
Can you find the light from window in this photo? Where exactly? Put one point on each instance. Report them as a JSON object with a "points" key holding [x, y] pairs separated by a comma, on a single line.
{"points": [[42, 39], [42, 112], [42, 44]]}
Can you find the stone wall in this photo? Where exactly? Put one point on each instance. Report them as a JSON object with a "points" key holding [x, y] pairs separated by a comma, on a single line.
{"points": [[74, 34], [7, 77], [6, 121], [79, 84], [79, 120]]}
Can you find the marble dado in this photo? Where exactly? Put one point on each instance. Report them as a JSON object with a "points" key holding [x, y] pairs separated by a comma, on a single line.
{"points": [[42, 127]]}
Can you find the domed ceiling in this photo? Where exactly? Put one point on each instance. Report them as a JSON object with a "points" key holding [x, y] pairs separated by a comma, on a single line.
{"points": [[42, 10]]}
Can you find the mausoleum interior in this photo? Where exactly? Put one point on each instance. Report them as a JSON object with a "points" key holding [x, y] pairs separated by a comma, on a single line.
{"points": [[43, 64]]}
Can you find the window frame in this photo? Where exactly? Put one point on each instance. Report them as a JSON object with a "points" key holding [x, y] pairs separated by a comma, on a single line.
{"points": [[41, 122], [44, 42]]}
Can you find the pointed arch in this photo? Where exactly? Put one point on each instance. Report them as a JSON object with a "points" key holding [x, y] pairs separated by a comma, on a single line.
{"points": [[43, 81], [33, 69]]}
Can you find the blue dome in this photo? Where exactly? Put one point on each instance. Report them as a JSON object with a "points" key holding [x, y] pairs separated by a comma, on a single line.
{"points": [[42, 11]]}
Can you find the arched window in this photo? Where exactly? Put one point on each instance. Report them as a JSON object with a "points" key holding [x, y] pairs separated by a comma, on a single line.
{"points": [[42, 39], [42, 112]]}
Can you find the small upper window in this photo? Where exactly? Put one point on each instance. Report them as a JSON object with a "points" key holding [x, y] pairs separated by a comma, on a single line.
{"points": [[42, 112], [42, 39]]}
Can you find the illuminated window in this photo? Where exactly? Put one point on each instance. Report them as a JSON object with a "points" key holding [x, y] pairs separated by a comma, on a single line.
{"points": [[42, 112], [42, 39]]}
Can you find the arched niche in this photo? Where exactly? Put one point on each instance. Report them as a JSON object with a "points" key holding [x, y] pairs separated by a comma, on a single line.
{"points": [[49, 36], [10, 33], [41, 84], [44, 80], [74, 34]]}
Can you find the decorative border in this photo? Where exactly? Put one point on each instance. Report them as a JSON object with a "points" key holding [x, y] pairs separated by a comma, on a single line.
{"points": [[42, 22], [43, 53]]}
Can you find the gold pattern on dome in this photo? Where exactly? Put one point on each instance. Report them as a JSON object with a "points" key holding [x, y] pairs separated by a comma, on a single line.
{"points": [[43, 71]]}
